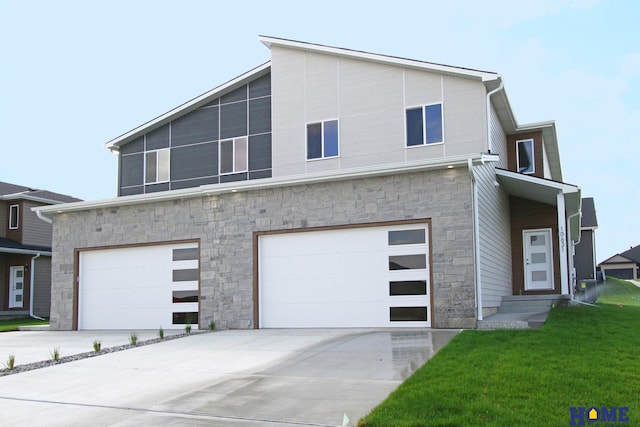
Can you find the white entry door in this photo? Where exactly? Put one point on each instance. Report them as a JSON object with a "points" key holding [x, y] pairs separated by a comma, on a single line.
{"points": [[16, 286], [538, 260]]}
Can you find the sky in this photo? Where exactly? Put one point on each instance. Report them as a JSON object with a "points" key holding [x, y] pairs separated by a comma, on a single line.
{"points": [[76, 74]]}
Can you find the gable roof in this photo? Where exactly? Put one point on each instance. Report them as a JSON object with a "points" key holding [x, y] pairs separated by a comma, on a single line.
{"points": [[10, 191], [632, 254], [589, 219]]}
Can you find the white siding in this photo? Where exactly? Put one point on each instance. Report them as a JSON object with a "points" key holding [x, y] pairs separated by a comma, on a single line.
{"points": [[495, 233], [369, 99]]}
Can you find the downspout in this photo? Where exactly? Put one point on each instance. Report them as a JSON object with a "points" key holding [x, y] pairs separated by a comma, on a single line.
{"points": [[573, 250], [32, 287], [42, 217], [476, 239], [499, 88]]}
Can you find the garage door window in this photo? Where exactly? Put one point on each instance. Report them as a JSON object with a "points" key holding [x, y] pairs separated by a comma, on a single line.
{"points": [[408, 287], [407, 262], [185, 296], [185, 318], [408, 314], [407, 237]]}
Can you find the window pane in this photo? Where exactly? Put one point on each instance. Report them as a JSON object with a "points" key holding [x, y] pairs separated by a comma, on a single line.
{"points": [[539, 276], [190, 318], [540, 258], [414, 127], [408, 287], [186, 275], [151, 164], [163, 165], [185, 296], [525, 156], [407, 262], [407, 314], [185, 254], [241, 154], [331, 138], [314, 141], [226, 156], [13, 216], [538, 240], [407, 237], [433, 118]]}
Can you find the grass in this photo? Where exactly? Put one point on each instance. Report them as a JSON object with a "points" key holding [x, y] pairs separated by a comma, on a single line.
{"points": [[13, 324], [583, 356]]}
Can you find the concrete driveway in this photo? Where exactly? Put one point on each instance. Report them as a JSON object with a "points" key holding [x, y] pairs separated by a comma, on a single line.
{"points": [[268, 377]]}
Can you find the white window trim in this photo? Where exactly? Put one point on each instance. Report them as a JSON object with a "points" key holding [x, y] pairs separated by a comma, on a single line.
{"points": [[533, 156], [233, 144], [306, 145], [157, 181], [16, 215], [424, 126]]}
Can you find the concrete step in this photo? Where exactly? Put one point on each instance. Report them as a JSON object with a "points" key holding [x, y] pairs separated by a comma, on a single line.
{"points": [[514, 320]]}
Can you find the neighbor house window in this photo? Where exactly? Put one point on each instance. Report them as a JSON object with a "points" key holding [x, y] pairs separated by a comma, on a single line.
{"points": [[14, 212], [322, 140], [525, 156], [157, 166], [424, 125], [233, 155]]}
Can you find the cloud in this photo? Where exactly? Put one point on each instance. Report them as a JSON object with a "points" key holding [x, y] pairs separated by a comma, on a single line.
{"points": [[630, 64]]}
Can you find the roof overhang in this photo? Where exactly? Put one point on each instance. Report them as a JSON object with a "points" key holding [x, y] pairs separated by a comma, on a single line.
{"points": [[375, 57], [26, 196], [544, 191], [193, 104], [46, 213]]}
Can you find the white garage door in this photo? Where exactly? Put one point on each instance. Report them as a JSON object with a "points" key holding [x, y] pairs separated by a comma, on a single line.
{"points": [[145, 287], [356, 277]]}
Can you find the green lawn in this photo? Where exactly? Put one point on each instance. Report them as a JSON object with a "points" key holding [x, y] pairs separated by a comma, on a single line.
{"points": [[583, 356], [13, 324]]}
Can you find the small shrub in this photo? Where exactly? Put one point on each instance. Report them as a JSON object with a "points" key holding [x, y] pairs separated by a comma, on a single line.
{"points": [[97, 344], [187, 329], [133, 338], [161, 333], [55, 354], [212, 325], [11, 361]]}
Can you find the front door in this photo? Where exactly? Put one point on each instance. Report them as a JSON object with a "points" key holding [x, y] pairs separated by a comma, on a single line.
{"points": [[16, 286], [538, 260]]}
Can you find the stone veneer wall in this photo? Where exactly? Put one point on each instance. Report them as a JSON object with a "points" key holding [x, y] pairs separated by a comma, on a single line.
{"points": [[225, 225]]}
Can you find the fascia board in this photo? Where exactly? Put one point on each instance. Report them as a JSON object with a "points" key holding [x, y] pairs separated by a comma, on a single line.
{"points": [[24, 251], [241, 186], [22, 196], [196, 102], [374, 57]]}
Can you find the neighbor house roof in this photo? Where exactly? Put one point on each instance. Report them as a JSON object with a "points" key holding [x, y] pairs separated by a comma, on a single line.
{"points": [[589, 219], [10, 191], [632, 254], [13, 247]]}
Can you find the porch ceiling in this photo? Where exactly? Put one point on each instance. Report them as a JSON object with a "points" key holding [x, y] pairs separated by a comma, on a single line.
{"points": [[544, 191]]}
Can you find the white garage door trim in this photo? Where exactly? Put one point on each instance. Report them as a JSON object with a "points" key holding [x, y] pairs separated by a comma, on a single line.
{"points": [[139, 287], [346, 277]]}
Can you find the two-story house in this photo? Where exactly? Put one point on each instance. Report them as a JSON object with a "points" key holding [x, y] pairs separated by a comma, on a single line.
{"points": [[325, 188], [25, 251]]}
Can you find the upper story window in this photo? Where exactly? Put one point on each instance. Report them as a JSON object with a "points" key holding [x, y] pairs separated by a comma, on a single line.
{"points": [[233, 155], [322, 140], [157, 166], [524, 156], [14, 217], [424, 125]]}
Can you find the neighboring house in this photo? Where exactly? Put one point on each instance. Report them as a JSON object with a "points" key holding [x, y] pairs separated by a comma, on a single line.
{"points": [[625, 265], [585, 256], [325, 188], [25, 251]]}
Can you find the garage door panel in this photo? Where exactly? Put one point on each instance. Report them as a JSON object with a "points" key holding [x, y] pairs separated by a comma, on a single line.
{"points": [[133, 287], [335, 278]]}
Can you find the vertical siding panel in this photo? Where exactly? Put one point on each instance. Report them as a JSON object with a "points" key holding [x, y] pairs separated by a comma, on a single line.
{"points": [[494, 217]]}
